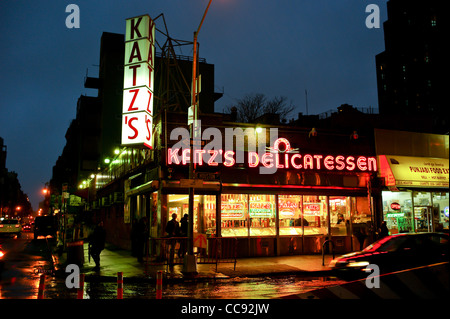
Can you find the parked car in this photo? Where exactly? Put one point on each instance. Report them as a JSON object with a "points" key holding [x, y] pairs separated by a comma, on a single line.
{"points": [[396, 252], [44, 226], [10, 227], [27, 227]]}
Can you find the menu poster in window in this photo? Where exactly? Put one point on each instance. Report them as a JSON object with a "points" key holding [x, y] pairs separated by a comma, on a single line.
{"points": [[261, 210], [288, 208], [311, 209], [232, 211]]}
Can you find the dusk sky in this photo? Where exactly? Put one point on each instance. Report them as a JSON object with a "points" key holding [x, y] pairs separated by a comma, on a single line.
{"points": [[274, 47]]}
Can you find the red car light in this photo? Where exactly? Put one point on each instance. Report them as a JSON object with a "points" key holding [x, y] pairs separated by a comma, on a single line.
{"points": [[1, 254], [1, 226]]}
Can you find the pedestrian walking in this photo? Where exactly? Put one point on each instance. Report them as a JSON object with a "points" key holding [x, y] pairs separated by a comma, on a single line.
{"points": [[172, 230], [141, 238], [183, 233], [97, 244]]}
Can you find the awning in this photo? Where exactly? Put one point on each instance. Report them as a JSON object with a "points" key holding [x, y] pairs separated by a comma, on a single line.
{"points": [[406, 171], [142, 189]]}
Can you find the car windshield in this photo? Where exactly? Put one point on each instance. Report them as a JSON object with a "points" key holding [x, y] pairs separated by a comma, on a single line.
{"points": [[391, 243], [9, 221]]}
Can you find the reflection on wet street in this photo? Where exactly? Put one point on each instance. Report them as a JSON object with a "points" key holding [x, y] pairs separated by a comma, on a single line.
{"points": [[26, 259], [237, 288]]}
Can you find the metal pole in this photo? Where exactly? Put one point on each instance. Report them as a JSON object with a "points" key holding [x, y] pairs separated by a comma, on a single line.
{"points": [[189, 264]]}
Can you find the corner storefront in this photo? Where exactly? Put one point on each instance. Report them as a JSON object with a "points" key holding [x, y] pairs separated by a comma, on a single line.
{"points": [[416, 197]]}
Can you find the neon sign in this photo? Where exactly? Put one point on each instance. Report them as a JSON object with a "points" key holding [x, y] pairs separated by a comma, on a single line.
{"points": [[138, 85], [277, 157]]}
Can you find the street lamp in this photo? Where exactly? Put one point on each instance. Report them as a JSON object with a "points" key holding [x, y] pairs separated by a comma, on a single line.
{"points": [[189, 263]]}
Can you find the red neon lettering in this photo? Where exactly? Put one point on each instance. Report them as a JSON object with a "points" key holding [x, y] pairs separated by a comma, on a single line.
{"points": [[267, 160], [185, 156], [150, 70], [213, 157], [297, 166], [328, 162], [134, 28], [229, 157], [173, 155], [148, 123], [200, 156], [135, 53], [149, 107], [277, 161], [318, 157], [134, 67], [372, 163], [253, 159], [150, 53], [130, 125], [308, 161], [350, 163], [340, 162], [362, 164], [276, 144], [151, 25], [135, 92]]}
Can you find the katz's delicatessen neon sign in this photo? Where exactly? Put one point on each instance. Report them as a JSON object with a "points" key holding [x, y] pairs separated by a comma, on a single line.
{"points": [[277, 157], [138, 84]]}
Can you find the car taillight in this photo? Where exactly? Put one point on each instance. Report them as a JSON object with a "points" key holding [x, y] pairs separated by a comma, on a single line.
{"points": [[1, 254], [1, 226]]}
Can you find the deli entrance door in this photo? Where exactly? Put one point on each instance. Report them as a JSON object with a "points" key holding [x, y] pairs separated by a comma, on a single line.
{"points": [[423, 218]]}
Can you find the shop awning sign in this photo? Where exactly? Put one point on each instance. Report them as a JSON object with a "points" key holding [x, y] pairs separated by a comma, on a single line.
{"points": [[406, 171]]}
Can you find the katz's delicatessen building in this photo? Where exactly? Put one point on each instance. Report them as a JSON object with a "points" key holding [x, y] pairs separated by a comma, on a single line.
{"points": [[286, 197]]}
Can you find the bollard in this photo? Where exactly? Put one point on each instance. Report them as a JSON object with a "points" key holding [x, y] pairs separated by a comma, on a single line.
{"points": [[81, 288], [41, 287], [159, 276], [120, 285]]}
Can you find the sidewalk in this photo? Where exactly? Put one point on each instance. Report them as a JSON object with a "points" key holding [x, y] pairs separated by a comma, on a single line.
{"points": [[114, 260]]}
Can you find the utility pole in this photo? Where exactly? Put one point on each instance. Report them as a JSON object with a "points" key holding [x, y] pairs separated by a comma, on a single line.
{"points": [[189, 262]]}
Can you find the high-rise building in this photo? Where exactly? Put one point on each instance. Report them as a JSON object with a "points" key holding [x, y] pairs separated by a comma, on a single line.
{"points": [[410, 72]]}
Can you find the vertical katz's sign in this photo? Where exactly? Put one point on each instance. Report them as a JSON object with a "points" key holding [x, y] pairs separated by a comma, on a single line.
{"points": [[138, 85]]}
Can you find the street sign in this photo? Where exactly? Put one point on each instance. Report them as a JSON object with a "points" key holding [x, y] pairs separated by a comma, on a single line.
{"points": [[195, 183]]}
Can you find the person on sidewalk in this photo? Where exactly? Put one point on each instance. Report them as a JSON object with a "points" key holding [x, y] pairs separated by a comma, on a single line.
{"points": [[141, 238], [97, 244], [183, 233], [172, 230]]}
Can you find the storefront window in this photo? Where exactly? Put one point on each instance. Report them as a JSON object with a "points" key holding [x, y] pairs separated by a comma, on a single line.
{"points": [[234, 215], [204, 211], [290, 212], [315, 213], [440, 211], [397, 211], [340, 208], [262, 215]]}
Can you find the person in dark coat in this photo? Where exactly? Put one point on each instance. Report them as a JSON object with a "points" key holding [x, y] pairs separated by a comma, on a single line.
{"points": [[384, 231], [184, 226], [183, 233], [141, 238], [173, 227], [97, 243]]}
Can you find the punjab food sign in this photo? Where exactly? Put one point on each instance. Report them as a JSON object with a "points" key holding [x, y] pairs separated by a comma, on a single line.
{"points": [[138, 83]]}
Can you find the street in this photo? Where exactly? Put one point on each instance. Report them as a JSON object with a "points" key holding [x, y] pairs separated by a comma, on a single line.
{"points": [[26, 259]]}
